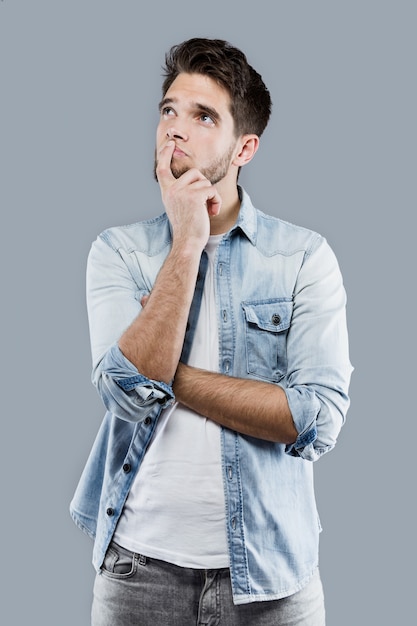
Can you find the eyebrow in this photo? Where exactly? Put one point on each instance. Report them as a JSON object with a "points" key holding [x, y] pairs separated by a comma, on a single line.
{"points": [[164, 102], [198, 106]]}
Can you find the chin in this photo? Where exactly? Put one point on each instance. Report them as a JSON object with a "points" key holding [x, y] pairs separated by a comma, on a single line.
{"points": [[177, 171]]}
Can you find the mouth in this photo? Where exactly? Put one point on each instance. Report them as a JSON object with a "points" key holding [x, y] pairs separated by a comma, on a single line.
{"points": [[178, 152]]}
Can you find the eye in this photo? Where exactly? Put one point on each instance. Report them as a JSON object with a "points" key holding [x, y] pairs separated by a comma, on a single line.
{"points": [[167, 112], [207, 119]]}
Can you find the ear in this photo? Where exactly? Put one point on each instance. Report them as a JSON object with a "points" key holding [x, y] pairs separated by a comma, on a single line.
{"points": [[247, 147]]}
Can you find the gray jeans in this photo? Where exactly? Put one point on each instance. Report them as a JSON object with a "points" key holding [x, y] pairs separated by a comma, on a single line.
{"points": [[133, 590]]}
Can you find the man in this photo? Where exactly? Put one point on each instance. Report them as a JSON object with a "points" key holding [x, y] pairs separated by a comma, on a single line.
{"points": [[220, 351]]}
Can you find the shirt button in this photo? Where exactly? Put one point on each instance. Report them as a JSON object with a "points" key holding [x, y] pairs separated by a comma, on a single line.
{"points": [[110, 511], [276, 319], [126, 468], [148, 421]]}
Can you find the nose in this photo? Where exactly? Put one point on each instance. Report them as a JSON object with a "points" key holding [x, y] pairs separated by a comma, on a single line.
{"points": [[174, 133]]}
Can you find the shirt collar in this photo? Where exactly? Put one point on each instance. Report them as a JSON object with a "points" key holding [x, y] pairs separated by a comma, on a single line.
{"points": [[247, 219]]}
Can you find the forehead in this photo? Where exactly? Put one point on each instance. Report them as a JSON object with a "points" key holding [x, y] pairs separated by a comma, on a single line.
{"points": [[199, 88]]}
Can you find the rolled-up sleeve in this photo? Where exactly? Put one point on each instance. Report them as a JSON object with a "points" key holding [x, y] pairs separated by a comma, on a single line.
{"points": [[319, 368], [125, 392], [113, 302]]}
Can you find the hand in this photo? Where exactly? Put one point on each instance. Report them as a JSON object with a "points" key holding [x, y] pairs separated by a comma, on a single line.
{"points": [[144, 300], [189, 200]]}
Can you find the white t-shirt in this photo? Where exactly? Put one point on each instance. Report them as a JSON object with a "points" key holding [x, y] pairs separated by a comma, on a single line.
{"points": [[175, 510]]}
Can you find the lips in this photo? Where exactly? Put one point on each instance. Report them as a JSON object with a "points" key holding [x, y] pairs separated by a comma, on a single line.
{"points": [[178, 152]]}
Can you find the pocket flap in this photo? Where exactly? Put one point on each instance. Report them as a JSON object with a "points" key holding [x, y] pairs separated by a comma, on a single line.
{"points": [[271, 315]]}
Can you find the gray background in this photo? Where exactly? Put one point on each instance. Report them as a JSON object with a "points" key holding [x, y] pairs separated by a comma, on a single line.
{"points": [[79, 87]]}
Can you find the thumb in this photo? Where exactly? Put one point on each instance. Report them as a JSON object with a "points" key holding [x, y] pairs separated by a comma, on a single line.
{"points": [[144, 300], [214, 203]]}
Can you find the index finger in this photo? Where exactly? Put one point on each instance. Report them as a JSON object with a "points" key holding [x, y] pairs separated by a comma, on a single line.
{"points": [[163, 165]]}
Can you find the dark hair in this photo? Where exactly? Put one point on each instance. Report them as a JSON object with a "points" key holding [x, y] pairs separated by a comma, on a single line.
{"points": [[250, 99]]}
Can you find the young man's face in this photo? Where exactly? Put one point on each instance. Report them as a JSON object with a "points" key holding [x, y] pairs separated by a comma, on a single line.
{"points": [[195, 112]]}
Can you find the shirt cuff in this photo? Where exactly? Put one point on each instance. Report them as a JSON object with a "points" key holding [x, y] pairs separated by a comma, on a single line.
{"points": [[305, 407], [125, 391]]}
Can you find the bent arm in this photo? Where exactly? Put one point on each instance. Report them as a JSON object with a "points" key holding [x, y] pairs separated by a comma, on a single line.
{"points": [[153, 342], [136, 350], [307, 409], [250, 407]]}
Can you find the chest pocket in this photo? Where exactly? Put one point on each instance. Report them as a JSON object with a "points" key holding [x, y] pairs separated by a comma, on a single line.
{"points": [[267, 324]]}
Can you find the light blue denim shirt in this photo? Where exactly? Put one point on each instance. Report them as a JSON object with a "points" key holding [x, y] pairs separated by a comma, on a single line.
{"points": [[281, 317]]}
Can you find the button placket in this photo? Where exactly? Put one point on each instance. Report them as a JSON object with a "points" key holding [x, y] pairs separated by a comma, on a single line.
{"points": [[224, 304]]}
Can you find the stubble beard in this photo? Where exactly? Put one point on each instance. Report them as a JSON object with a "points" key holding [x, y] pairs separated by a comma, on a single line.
{"points": [[214, 172]]}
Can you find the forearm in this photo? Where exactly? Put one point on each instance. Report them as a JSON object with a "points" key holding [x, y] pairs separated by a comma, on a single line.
{"points": [[251, 407], [154, 341]]}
